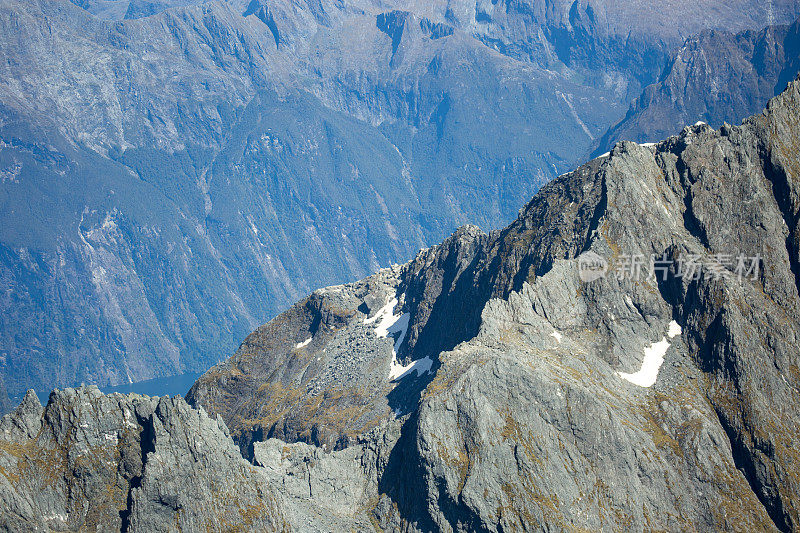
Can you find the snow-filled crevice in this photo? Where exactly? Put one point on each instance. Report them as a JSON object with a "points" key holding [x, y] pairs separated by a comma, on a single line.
{"points": [[653, 359], [388, 323]]}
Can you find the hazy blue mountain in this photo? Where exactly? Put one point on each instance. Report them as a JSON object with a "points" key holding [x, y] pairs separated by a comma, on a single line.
{"points": [[173, 174], [715, 77]]}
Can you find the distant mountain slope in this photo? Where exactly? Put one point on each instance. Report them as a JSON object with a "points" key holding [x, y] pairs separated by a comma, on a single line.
{"points": [[715, 77], [178, 174], [155, 210]]}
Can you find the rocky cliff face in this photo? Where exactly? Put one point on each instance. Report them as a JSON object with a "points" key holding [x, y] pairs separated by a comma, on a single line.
{"points": [[125, 463], [175, 173]]}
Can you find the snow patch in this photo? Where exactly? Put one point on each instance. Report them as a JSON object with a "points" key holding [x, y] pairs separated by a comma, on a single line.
{"points": [[388, 323], [383, 312], [557, 336], [653, 359], [304, 343], [673, 330], [699, 123], [398, 371]]}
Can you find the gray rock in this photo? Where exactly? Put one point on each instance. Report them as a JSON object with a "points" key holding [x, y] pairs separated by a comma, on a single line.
{"points": [[125, 463]]}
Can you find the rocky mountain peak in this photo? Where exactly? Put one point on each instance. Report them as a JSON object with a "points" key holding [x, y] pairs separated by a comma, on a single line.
{"points": [[125, 463], [501, 341]]}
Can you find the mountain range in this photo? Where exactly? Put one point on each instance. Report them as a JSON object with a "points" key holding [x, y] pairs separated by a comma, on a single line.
{"points": [[715, 77], [174, 173], [622, 355]]}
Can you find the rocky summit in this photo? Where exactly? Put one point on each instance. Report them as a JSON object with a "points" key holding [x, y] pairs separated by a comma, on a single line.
{"points": [[623, 356], [88, 461]]}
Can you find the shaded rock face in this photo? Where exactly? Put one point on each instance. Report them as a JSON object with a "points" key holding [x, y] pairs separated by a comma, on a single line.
{"points": [[532, 399], [716, 77], [125, 463], [175, 173]]}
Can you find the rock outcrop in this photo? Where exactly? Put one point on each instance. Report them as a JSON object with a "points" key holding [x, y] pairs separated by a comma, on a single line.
{"points": [[89, 461]]}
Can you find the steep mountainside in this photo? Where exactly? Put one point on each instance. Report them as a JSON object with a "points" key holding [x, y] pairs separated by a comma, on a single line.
{"points": [[547, 376], [716, 77], [174, 173]]}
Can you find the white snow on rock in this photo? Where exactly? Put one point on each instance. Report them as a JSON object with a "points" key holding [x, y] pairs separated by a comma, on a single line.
{"points": [[653, 359], [383, 312], [301, 344], [557, 336], [390, 323], [387, 323], [398, 371]]}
